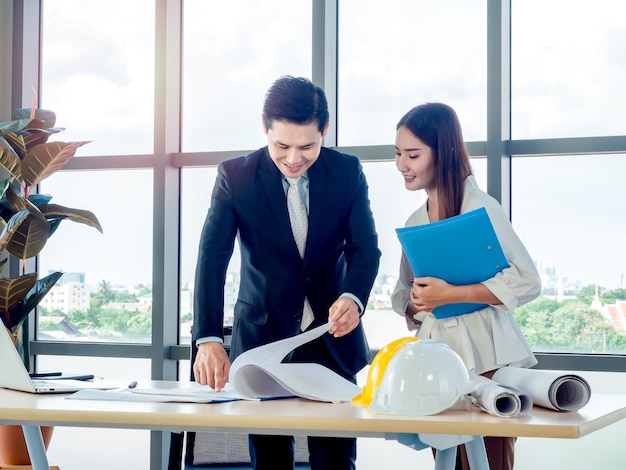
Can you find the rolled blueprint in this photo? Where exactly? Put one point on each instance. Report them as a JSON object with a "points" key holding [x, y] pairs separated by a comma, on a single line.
{"points": [[497, 399], [548, 388]]}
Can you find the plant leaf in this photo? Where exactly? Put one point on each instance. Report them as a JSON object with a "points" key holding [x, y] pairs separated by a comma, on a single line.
{"points": [[5, 212], [33, 137], [11, 227], [47, 116], [34, 131], [45, 159], [10, 148], [12, 291], [32, 234], [41, 288], [4, 184], [16, 141], [14, 187], [55, 211], [21, 114], [54, 225], [17, 201], [30, 237], [38, 199], [16, 125]]}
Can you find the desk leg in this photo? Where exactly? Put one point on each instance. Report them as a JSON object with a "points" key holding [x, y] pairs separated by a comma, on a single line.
{"points": [[36, 449], [477, 454], [445, 459]]}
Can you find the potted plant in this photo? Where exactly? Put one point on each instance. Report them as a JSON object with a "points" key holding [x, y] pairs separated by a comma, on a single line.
{"points": [[27, 220]]}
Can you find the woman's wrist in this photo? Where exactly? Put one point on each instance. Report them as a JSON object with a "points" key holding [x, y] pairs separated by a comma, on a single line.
{"points": [[411, 312]]}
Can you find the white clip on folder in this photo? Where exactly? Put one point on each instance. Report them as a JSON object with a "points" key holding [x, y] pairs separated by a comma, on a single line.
{"points": [[461, 250]]}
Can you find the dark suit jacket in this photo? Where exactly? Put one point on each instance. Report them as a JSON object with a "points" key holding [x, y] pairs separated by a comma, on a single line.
{"points": [[341, 254]]}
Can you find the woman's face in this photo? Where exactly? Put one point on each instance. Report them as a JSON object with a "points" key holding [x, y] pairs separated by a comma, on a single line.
{"points": [[415, 161]]}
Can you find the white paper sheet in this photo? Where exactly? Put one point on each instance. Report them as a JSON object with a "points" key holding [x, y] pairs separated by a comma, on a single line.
{"points": [[189, 389], [273, 353], [185, 393], [548, 388], [255, 374], [497, 399], [259, 373]]}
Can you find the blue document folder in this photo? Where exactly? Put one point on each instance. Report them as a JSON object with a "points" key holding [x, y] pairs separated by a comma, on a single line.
{"points": [[461, 250]]}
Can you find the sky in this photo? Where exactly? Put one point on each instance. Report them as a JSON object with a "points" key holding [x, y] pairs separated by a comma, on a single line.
{"points": [[568, 71]]}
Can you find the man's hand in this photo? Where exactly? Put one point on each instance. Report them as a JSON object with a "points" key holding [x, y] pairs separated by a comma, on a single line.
{"points": [[345, 313], [212, 365]]}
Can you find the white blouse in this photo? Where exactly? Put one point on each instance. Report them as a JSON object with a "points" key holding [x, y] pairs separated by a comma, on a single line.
{"points": [[488, 338]]}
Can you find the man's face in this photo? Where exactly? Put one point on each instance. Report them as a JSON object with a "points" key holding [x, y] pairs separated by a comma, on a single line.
{"points": [[294, 148]]}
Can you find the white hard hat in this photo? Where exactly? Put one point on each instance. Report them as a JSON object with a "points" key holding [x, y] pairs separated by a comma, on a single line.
{"points": [[423, 378], [377, 369]]}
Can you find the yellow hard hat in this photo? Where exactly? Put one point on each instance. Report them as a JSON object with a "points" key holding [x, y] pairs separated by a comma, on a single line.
{"points": [[377, 370]]}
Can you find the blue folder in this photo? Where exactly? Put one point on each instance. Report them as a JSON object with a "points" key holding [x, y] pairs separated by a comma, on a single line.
{"points": [[461, 250]]}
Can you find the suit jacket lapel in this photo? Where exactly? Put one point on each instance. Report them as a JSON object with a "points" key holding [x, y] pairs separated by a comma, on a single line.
{"points": [[271, 180], [318, 193]]}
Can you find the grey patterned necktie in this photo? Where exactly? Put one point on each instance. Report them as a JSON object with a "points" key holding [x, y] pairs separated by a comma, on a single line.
{"points": [[297, 214], [299, 226]]}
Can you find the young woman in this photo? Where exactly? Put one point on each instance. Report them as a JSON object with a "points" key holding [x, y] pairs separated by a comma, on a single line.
{"points": [[431, 155]]}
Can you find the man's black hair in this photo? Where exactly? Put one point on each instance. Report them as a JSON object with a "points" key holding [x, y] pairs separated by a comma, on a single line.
{"points": [[296, 100]]}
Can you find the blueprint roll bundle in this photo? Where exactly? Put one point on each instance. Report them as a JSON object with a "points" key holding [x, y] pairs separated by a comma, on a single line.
{"points": [[548, 388], [497, 399]]}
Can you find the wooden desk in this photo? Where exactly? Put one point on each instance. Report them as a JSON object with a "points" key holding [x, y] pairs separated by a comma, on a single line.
{"points": [[296, 416]]}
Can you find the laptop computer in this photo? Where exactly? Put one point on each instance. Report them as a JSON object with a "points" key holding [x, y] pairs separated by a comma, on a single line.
{"points": [[14, 376]]}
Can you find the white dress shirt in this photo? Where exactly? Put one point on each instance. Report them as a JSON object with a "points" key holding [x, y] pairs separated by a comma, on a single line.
{"points": [[489, 338]]}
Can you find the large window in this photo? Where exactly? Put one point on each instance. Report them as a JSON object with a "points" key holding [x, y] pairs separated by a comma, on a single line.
{"points": [[397, 54], [232, 52], [166, 89], [389, 58], [567, 75], [565, 209], [105, 292], [97, 67], [197, 186], [568, 68]]}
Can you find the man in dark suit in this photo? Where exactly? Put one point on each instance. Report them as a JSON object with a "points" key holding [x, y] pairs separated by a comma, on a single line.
{"points": [[329, 276]]}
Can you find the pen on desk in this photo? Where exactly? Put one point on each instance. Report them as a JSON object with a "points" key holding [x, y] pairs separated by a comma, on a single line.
{"points": [[133, 384]]}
